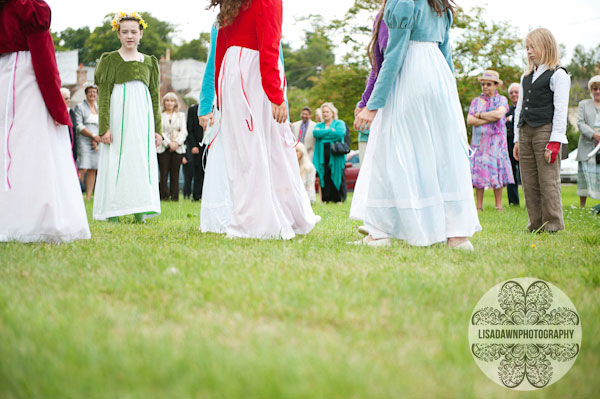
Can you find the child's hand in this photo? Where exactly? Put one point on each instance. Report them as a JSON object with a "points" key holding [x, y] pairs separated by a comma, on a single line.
{"points": [[107, 137], [206, 120], [279, 112], [158, 139], [364, 119], [552, 150], [516, 152]]}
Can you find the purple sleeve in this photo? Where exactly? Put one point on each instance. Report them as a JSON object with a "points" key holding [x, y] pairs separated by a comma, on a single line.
{"points": [[379, 51], [473, 107]]}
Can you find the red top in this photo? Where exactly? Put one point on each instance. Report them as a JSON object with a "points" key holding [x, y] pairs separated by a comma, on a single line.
{"points": [[24, 26], [257, 28]]}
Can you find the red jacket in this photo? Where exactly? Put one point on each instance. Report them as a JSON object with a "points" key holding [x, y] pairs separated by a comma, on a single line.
{"points": [[24, 26], [257, 28]]}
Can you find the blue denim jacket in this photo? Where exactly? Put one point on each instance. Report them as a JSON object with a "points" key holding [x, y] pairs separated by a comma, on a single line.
{"points": [[408, 20]]}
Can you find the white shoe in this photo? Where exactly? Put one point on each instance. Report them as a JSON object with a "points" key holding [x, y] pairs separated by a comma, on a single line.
{"points": [[363, 230], [382, 242], [464, 246]]}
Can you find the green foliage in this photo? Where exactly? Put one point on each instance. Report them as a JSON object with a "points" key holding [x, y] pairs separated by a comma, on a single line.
{"points": [[161, 310], [76, 39], [196, 49], [342, 85], [298, 99], [584, 64], [305, 64]]}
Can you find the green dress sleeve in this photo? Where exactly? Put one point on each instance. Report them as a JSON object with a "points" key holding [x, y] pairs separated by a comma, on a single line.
{"points": [[104, 78], [154, 94]]}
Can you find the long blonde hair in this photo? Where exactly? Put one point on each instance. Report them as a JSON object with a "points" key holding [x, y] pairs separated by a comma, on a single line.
{"points": [[306, 165], [543, 41]]}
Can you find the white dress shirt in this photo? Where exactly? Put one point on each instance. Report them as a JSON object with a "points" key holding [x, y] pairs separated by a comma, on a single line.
{"points": [[560, 84]]}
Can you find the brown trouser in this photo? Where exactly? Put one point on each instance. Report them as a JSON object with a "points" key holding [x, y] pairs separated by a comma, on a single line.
{"points": [[541, 180], [168, 164]]}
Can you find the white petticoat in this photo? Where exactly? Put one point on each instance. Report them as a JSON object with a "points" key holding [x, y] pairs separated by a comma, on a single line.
{"points": [[127, 181], [415, 182], [44, 201], [268, 197]]}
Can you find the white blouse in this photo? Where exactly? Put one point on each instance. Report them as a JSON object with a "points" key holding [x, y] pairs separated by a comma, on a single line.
{"points": [[174, 129]]}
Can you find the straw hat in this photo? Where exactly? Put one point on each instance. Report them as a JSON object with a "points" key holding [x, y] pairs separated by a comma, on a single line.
{"points": [[594, 79], [490, 75]]}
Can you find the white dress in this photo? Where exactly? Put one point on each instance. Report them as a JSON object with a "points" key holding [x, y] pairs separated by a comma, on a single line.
{"points": [[127, 181], [215, 208], [40, 196], [268, 197], [415, 182]]}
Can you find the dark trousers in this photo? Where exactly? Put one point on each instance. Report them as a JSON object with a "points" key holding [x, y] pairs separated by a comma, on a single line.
{"points": [[513, 189], [193, 177], [169, 163]]}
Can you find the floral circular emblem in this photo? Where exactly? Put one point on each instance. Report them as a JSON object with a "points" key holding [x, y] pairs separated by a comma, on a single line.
{"points": [[525, 334]]}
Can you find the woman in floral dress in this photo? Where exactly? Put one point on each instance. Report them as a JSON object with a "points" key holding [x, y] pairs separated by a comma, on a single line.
{"points": [[490, 164]]}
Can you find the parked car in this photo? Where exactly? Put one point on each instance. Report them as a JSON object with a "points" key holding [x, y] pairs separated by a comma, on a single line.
{"points": [[568, 168], [352, 168]]}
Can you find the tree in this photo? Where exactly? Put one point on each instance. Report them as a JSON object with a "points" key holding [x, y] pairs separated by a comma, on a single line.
{"points": [[75, 39], [584, 64], [196, 49], [305, 64], [156, 39]]}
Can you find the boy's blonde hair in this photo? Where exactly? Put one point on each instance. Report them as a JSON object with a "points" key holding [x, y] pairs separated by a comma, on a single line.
{"points": [[172, 96], [543, 41]]}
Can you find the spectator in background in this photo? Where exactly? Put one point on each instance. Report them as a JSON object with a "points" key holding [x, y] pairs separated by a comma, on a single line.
{"points": [[170, 152], [588, 122], [86, 124], [66, 95], [330, 166], [318, 115], [308, 173], [304, 130], [490, 165], [194, 156], [512, 189]]}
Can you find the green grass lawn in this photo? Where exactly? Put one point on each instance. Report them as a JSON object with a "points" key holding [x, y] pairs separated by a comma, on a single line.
{"points": [[162, 311]]}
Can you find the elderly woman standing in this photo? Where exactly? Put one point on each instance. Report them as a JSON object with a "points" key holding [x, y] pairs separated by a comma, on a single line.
{"points": [[588, 121], [329, 165], [170, 153], [490, 165], [86, 125]]}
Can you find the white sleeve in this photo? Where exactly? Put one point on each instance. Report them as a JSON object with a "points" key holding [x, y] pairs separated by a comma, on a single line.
{"points": [[560, 84], [518, 111]]}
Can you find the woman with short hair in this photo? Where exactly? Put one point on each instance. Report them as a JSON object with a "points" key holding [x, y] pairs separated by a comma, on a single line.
{"points": [[588, 122]]}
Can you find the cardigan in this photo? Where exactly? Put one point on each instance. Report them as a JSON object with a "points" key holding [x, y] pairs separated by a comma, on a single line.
{"points": [[24, 26], [257, 27], [174, 131], [407, 21], [586, 118], [334, 133], [113, 69]]}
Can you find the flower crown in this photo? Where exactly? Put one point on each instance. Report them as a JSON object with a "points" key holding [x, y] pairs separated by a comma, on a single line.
{"points": [[122, 15]]}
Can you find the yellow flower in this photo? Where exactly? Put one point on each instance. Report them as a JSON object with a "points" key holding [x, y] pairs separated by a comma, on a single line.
{"points": [[533, 246], [122, 14], [134, 14]]}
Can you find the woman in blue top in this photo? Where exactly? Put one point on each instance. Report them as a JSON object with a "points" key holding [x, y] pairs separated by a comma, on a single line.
{"points": [[415, 184], [330, 166]]}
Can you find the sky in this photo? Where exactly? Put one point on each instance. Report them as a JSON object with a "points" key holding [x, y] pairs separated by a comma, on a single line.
{"points": [[575, 22]]}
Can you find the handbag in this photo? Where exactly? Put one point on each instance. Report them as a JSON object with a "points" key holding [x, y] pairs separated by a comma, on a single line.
{"points": [[339, 148]]}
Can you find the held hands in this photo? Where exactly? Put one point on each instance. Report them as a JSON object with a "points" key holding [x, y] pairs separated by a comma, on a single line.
{"points": [[106, 138], [206, 120], [552, 150], [279, 112], [357, 111], [158, 139], [364, 119]]}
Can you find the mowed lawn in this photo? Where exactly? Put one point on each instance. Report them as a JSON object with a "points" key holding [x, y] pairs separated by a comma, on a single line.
{"points": [[162, 311]]}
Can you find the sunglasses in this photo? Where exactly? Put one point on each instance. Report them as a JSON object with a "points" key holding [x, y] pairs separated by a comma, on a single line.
{"points": [[487, 84], [595, 88]]}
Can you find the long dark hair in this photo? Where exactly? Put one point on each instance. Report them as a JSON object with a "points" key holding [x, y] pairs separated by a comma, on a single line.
{"points": [[229, 9], [440, 6]]}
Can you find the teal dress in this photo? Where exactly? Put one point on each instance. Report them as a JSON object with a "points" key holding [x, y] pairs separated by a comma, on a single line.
{"points": [[330, 167]]}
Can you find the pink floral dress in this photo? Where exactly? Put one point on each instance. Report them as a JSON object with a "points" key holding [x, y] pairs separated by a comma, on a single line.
{"points": [[490, 165]]}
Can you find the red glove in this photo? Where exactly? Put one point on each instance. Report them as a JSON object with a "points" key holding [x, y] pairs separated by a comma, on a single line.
{"points": [[554, 148]]}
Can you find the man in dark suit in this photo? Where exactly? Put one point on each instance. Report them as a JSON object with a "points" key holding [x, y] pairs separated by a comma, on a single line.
{"points": [[193, 170], [512, 189]]}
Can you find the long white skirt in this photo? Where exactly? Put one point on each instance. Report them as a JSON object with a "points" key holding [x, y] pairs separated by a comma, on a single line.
{"points": [[127, 181], [40, 196], [268, 197], [215, 208], [415, 182]]}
